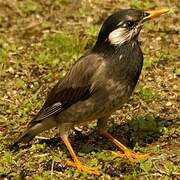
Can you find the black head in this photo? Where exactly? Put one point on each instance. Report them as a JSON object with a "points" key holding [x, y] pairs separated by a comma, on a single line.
{"points": [[125, 25]]}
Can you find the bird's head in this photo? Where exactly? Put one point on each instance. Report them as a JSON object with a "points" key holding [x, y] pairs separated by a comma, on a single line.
{"points": [[125, 25]]}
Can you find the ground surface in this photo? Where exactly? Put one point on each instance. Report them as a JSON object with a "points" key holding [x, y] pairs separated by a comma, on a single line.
{"points": [[39, 41]]}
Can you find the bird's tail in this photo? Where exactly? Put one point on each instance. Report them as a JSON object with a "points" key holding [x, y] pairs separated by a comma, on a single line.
{"points": [[27, 136], [34, 129]]}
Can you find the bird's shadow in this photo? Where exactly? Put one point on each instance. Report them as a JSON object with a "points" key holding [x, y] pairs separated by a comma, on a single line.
{"points": [[139, 131]]}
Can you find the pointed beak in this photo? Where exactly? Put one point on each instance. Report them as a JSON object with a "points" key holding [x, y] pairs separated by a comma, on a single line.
{"points": [[154, 13]]}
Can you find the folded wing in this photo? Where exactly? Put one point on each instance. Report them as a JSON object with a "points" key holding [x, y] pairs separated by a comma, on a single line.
{"points": [[74, 87]]}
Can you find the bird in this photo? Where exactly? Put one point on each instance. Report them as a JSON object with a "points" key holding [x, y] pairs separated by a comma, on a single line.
{"points": [[98, 84]]}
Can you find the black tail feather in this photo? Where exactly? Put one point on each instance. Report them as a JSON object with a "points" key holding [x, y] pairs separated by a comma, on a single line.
{"points": [[33, 129], [25, 138]]}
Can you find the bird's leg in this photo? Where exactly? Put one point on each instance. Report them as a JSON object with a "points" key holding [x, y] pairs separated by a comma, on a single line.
{"points": [[127, 152], [77, 164]]}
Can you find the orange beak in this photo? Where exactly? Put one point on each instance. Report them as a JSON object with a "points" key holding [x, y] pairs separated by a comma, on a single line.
{"points": [[155, 13]]}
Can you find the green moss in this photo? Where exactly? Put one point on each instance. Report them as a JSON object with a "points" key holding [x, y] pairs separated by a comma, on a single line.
{"points": [[144, 93], [147, 4], [29, 6], [59, 49]]}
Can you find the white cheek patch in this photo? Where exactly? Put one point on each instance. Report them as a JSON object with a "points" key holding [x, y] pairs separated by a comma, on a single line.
{"points": [[119, 36]]}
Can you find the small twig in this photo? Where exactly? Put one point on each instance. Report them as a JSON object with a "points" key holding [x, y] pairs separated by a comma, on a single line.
{"points": [[55, 31], [40, 137], [52, 167], [156, 174], [4, 99], [32, 25], [41, 155]]}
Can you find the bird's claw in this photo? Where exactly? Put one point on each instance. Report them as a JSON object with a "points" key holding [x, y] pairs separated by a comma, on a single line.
{"points": [[132, 156], [80, 167]]}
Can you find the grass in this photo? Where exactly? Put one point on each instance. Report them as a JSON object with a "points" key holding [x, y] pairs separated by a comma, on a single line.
{"points": [[58, 48], [39, 41], [29, 6], [143, 4]]}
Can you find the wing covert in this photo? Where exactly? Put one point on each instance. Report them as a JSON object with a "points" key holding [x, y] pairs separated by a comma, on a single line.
{"points": [[75, 86]]}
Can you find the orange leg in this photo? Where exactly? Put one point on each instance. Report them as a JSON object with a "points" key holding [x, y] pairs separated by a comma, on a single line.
{"points": [[128, 153], [77, 164]]}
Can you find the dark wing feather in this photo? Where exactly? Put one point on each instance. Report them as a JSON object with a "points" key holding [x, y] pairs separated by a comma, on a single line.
{"points": [[55, 108], [75, 86]]}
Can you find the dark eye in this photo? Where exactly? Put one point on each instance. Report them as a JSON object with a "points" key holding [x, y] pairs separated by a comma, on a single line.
{"points": [[146, 14], [130, 24]]}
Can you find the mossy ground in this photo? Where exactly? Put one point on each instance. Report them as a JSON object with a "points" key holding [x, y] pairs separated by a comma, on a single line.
{"points": [[39, 41]]}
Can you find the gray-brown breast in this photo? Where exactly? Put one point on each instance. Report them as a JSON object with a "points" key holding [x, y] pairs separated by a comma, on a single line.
{"points": [[111, 87]]}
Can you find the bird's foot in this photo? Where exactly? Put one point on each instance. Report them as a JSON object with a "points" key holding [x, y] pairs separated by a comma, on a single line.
{"points": [[132, 156], [80, 167]]}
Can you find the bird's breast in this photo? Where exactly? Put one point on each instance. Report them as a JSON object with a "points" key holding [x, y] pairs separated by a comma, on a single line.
{"points": [[127, 64]]}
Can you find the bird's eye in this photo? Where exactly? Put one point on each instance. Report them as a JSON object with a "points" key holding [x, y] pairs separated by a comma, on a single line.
{"points": [[130, 24], [146, 14]]}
